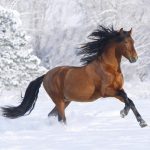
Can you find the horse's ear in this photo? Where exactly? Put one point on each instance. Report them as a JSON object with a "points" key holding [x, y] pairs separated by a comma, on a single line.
{"points": [[121, 31], [130, 32]]}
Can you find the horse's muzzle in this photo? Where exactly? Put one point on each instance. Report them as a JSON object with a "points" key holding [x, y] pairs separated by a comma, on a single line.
{"points": [[133, 59]]}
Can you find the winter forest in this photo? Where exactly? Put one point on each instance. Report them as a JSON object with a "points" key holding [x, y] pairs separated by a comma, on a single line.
{"points": [[38, 35]]}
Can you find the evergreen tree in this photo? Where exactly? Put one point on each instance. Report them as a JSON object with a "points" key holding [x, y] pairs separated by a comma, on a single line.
{"points": [[18, 65]]}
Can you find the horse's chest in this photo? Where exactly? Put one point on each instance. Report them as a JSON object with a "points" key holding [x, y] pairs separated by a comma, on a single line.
{"points": [[117, 82]]}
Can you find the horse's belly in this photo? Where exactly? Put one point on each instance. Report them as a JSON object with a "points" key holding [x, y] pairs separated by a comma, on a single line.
{"points": [[79, 93], [78, 88]]}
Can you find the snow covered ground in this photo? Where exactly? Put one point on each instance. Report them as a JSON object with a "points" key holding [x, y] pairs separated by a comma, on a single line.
{"points": [[91, 126]]}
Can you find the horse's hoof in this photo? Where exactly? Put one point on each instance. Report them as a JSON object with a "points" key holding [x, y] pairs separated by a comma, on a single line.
{"points": [[122, 114], [143, 124]]}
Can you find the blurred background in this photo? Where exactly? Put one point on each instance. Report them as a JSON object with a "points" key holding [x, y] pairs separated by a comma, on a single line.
{"points": [[57, 28]]}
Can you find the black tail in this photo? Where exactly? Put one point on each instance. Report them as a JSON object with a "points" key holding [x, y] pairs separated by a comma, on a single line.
{"points": [[28, 102]]}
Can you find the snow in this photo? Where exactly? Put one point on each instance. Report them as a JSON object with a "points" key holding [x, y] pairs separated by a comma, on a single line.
{"points": [[95, 125]]}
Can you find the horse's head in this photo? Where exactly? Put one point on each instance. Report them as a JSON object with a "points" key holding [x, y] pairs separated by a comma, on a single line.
{"points": [[126, 45]]}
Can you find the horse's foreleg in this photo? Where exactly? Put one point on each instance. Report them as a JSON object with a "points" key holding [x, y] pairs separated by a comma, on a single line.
{"points": [[124, 112], [130, 103]]}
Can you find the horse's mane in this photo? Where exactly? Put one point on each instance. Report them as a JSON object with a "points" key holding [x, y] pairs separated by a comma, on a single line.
{"points": [[100, 38]]}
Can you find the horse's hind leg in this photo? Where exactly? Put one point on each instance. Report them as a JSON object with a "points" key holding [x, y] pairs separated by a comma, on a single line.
{"points": [[60, 106], [54, 111]]}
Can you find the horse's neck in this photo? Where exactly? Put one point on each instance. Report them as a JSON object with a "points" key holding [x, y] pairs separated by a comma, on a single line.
{"points": [[111, 58]]}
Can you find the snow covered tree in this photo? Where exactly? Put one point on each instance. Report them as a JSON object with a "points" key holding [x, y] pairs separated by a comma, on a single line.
{"points": [[73, 20], [18, 65]]}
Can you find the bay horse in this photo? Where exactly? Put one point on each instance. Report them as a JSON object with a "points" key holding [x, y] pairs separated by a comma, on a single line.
{"points": [[99, 76]]}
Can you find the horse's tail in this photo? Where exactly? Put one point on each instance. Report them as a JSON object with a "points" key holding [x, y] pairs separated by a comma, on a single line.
{"points": [[28, 101]]}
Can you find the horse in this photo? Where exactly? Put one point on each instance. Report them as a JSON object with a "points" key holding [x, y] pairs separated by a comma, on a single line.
{"points": [[99, 76]]}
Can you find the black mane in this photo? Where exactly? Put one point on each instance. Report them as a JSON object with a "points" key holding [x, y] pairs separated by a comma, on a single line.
{"points": [[100, 38]]}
